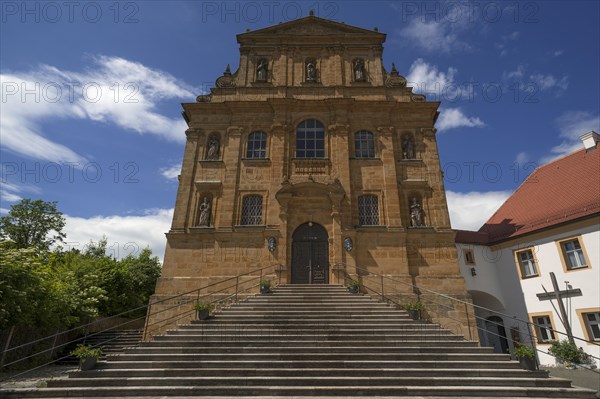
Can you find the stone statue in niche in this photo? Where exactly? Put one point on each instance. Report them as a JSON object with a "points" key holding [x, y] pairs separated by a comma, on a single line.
{"points": [[311, 71], [359, 71], [213, 149], [408, 148], [417, 216], [204, 208], [261, 71]]}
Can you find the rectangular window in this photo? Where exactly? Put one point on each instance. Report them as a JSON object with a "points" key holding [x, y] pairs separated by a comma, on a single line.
{"points": [[469, 257], [573, 255], [368, 210], [252, 210], [592, 323], [543, 328], [527, 264], [257, 146]]}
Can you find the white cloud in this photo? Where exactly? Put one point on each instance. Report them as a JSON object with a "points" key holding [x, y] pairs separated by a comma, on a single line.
{"points": [[516, 74], [427, 79], [504, 44], [114, 90], [451, 118], [547, 82], [126, 234], [522, 158], [571, 125], [12, 192], [558, 52], [469, 211], [172, 172], [442, 35]]}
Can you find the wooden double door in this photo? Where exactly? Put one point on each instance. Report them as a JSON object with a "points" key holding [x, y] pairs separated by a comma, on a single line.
{"points": [[310, 254]]}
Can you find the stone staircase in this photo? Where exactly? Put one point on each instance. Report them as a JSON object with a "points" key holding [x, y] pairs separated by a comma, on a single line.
{"points": [[111, 342], [307, 341]]}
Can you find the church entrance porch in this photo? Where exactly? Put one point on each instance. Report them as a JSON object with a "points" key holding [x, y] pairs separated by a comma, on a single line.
{"points": [[310, 254]]}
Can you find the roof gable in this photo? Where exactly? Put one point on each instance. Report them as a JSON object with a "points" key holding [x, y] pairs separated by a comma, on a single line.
{"points": [[310, 26]]}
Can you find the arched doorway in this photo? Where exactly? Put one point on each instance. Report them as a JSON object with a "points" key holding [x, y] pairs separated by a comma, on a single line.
{"points": [[310, 254]]}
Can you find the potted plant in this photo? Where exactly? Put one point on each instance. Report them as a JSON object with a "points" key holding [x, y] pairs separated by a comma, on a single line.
{"points": [[414, 309], [567, 353], [203, 310], [526, 356], [353, 286], [88, 356], [265, 286]]}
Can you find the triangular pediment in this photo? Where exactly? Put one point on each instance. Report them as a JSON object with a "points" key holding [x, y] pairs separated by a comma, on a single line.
{"points": [[310, 26]]}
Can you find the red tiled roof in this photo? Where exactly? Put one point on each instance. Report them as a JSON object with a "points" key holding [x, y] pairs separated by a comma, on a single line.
{"points": [[560, 191]]}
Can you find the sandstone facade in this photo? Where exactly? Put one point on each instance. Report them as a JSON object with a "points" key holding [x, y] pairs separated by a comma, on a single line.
{"points": [[344, 151]]}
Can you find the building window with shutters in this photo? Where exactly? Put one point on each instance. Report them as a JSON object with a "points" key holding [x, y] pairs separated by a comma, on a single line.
{"points": [[368, 210], [252, 210]]}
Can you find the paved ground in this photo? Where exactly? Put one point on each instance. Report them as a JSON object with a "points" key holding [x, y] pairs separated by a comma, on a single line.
{"points": [[35, 378], [581, 378]]}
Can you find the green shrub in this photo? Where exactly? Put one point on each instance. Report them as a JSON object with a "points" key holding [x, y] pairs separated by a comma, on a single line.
{"points": [[418, 305], [84, 351], [523, 351], [567, 352]]}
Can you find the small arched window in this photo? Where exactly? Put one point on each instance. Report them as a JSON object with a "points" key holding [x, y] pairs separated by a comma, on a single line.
{"points": [[364, 145], [368, 210], [310, 139], [257, 146], [252, 210]]}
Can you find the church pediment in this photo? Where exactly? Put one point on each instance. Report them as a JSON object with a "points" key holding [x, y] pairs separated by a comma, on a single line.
{"points": [[310, 26]]}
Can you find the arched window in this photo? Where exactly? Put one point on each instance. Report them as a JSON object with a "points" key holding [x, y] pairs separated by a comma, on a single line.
{"points": [[310, 139], [257, 145], [252, 210], [368, 210], [364, 146]]}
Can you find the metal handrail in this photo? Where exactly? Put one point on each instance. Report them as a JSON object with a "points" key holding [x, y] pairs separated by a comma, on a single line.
{"points": [[417, 290]]}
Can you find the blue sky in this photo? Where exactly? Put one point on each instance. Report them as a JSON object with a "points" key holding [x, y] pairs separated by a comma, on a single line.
{"points": [[91, 93]]}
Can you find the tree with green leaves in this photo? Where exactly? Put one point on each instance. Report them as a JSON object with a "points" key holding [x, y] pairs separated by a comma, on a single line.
{"points": [[33, 224]]}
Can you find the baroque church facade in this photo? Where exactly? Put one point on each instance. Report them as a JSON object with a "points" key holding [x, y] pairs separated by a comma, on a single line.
{"points": [[314, 158]]}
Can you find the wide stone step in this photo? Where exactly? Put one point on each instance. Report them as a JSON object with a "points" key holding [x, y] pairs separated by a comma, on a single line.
{"points": [[312, 331], [294, 391], [476, 364], [315, 381], [309, 349], [309, 356], [162, 341], [307, 372], [274, 338]]}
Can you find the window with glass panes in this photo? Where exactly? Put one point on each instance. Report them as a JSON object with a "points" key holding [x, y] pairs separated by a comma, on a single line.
{"points": [[310, 139], [544, 328], [364, 146], [252, 210], [573, 254], [527, 263], [257, 146], [592, 322]]}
